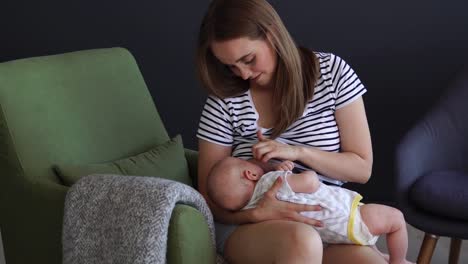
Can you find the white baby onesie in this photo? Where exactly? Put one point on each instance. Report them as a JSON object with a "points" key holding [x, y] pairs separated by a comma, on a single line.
{"points": [[340, 209]]}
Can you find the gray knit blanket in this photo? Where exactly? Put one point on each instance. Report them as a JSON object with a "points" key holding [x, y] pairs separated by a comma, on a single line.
{"points": [[115, 219]]}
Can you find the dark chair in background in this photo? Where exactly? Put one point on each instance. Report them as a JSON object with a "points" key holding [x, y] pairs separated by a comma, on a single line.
{"points": [[432, 172]]}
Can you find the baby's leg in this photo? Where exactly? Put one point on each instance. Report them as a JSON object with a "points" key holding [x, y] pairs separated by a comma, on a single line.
{"points": [[381, 219]]}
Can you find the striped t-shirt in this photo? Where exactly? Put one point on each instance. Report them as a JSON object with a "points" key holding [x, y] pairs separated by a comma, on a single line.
{"points": [[233, 121]]}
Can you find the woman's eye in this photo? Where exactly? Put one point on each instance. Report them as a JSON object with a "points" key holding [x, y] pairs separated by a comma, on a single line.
{"points": [[233, 68], [250, 61]]}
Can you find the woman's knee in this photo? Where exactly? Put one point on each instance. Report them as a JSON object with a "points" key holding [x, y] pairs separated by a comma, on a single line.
{"points": [[274, 242], [303, 240]]}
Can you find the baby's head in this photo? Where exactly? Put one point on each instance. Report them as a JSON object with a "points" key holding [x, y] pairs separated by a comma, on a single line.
{"points": [[231, 182]]}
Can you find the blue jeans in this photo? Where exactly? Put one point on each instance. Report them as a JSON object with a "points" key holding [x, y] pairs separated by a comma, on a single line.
{"points": [[223, 231]]}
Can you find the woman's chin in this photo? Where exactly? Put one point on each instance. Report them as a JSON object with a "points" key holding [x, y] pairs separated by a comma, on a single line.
{"points": [[260, 81]]}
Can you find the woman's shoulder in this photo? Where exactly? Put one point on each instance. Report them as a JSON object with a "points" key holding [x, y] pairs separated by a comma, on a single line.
{"points": [[326, 58], [330, 65], [233, 106], [230, 99], [322, 55]]}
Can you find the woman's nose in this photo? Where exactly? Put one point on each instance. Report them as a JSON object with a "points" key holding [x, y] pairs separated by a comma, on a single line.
{"points": [[245, 73]]}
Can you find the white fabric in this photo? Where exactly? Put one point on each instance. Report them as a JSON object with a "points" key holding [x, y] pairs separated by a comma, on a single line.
{"points": [[336, 203]]}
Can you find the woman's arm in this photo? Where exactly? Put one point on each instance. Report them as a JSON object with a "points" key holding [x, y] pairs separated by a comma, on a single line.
{"points": [[353, 163], [269, 208]]}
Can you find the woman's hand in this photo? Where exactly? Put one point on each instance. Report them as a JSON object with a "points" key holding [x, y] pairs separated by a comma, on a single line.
{"points": [[267, 149], [270, 208]]}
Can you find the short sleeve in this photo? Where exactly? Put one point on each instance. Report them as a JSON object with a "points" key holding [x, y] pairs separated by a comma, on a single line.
{"points": [[215, 123], [346, 84]]}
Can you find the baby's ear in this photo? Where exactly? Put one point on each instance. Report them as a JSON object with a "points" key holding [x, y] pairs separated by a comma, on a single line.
{"points": [[248, 174]]}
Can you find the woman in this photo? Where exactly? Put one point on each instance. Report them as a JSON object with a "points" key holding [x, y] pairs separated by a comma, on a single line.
{"points": [[272, 100]]}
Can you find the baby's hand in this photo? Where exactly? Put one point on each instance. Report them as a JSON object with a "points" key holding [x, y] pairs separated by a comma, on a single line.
{"points": [[286, 165]]}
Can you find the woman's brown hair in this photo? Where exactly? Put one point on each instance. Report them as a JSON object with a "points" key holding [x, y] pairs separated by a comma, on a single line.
{"points": [[296, 70]]}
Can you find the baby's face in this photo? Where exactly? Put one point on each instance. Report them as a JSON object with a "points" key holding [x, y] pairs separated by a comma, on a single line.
{"points": [[237, 190]]}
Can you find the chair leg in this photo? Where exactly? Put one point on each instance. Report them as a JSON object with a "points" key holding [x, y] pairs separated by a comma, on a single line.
{"points": [[455, 245], [427, 249]]}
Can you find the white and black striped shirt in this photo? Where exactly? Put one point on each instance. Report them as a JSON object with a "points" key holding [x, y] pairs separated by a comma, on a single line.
{"points": [[233, 121]]}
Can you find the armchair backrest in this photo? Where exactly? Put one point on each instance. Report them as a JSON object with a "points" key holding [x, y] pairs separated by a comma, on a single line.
{"points": [[74, 108], [447, 126], [438, 141], [79, 107]]}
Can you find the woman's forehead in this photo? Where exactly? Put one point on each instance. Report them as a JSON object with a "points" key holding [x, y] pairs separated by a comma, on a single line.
{"points": [[230, 51]]}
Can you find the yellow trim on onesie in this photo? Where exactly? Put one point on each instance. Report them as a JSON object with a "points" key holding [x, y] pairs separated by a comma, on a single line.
{"points": [[354, 206]]}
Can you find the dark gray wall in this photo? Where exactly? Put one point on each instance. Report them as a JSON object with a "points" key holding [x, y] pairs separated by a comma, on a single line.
{"points": [[403, 51]]}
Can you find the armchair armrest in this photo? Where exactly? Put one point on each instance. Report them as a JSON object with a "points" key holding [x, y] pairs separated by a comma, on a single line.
{"points": [[192, 160], [189, 237]]}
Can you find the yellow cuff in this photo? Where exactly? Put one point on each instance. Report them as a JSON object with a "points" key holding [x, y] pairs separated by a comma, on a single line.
{"points": [[354, 206]]}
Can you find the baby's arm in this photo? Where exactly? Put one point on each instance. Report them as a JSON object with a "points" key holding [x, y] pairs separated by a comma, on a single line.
{"points": [[304, 182], [266, 167], [381, 219], [285, 165]]}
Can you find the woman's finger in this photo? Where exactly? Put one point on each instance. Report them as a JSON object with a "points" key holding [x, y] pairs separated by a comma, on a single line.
{"points": [[259, 151], [260, 136], [306, 220], [262, 144], [267, 156], [306, 207], [275, 187]]}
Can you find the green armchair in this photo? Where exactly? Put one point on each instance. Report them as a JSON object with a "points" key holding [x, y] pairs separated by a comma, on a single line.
{"points": [[80, 107]]}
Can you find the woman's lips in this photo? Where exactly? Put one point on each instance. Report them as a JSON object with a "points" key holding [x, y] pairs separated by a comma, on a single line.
{"points": [[256, 77]]}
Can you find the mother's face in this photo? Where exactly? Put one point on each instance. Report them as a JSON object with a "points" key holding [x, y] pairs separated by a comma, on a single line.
{"points": [[253, 60]]}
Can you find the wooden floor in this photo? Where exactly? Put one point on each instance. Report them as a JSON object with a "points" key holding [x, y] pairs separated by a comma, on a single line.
{"points": [[441, 251]]}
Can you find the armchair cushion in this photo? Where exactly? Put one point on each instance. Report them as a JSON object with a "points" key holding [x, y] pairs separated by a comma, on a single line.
{"points": [[443, 193], [167, 159]]}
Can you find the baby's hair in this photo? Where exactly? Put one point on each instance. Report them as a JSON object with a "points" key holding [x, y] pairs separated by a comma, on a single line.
{"points": [[212, 180], [219, 189]]}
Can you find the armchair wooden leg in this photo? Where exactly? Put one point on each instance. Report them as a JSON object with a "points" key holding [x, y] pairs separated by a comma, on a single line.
{"points": [[455, 246], [427, 249]]}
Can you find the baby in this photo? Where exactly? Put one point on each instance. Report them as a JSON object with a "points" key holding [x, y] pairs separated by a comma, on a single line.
{"points": [[235, 184]]}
